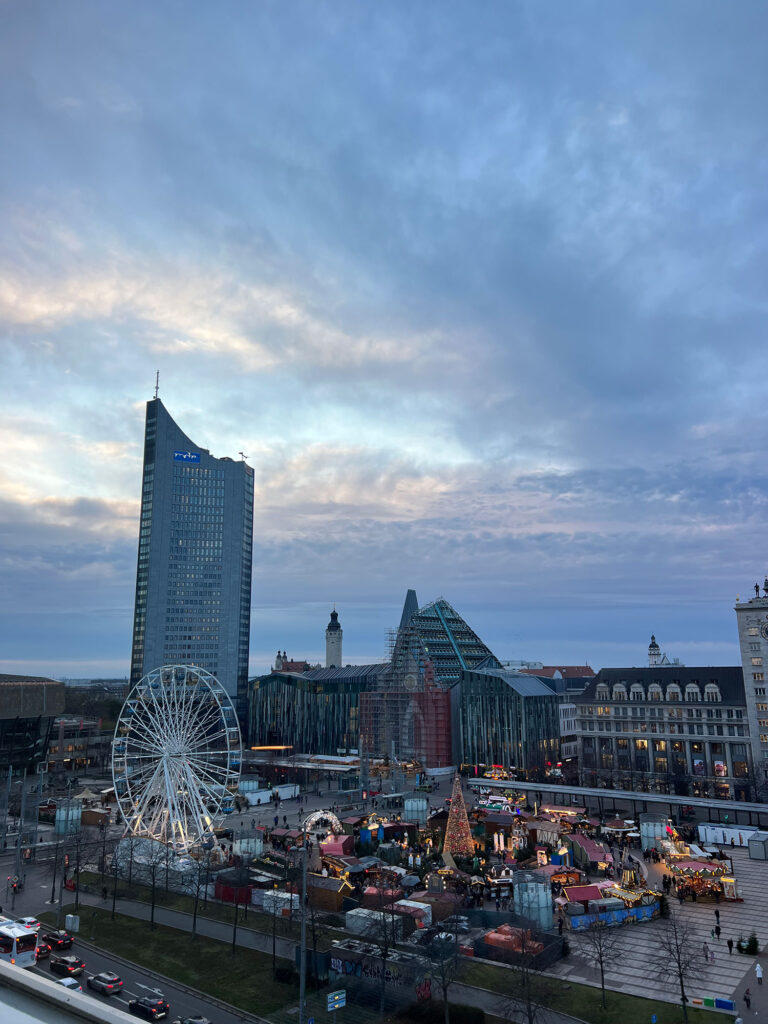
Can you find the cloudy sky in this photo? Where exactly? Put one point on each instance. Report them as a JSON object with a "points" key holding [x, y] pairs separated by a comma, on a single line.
{"points": [[480, 289]]}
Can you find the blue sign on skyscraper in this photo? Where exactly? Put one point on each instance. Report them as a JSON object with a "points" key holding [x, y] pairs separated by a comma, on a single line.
{"points": [[186, 456]]}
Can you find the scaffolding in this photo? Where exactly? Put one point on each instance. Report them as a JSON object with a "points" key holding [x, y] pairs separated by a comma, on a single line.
{"points": [[406, 719]]}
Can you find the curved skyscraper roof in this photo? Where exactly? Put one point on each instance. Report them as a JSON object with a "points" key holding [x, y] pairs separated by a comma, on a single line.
{"points": [[193, 578]]}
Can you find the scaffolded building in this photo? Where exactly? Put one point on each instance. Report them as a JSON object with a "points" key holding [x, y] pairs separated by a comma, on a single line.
{"points": [[407, 715]]}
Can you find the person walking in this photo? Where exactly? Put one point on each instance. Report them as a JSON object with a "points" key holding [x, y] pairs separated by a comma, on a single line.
{"points": [[730, 946], [717, 932], [748, 998], [717, 916], [759, 973], [705, 951]]}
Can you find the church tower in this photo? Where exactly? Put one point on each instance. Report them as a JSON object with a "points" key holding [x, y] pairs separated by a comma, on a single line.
{"points": [[654, 653], [333, 634]]}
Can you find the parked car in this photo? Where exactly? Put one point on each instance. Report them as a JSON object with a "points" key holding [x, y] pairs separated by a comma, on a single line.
{"points": [[106, 983], [190, 1020], [29, 922], [57, 940], [70, 983], [67, 965], [149, 1008], [42, 951]]}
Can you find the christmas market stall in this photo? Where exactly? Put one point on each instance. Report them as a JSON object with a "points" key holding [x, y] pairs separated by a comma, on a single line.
{"points": [[697, 878]]}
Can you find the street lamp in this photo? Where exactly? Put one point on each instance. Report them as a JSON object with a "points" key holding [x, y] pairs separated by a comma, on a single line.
{"points": [[303, 959]]}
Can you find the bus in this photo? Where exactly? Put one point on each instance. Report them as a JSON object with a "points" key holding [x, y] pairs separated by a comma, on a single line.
{"points": [[17, 943]]}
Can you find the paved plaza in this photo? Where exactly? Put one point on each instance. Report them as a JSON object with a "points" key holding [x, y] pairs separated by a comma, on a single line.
{"points": [[636, 970]]}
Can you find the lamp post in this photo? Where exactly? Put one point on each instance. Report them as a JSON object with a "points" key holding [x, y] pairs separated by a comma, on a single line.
{"points": [[303, 960], [52, 900]]}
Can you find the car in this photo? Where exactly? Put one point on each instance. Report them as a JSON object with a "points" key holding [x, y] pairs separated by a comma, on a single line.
{"points": [[149, 1008], [42, 951], [57, 939], [70, 983], [67, 965], [191, 1020], [106, 983], [29, 922]]}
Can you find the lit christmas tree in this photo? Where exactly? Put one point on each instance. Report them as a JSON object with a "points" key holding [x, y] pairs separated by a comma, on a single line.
{"points": [[458, 840]]}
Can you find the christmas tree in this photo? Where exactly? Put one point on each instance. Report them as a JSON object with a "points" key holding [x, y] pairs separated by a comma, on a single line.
{"points": [[458, 841]]}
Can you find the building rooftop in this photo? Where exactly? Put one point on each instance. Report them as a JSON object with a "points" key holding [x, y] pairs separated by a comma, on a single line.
{"points": [[525, 685], [729, 679]]}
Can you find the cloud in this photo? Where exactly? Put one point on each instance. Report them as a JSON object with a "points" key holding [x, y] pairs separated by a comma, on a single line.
{"points": [[479, 292]]}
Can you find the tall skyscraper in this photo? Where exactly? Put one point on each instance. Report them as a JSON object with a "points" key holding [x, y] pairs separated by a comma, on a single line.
{"points": [[193, 579]]}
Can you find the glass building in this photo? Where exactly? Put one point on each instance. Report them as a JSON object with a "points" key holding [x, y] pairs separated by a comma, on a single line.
{"points": [[507, 718], [314, 712], [193, 578]]}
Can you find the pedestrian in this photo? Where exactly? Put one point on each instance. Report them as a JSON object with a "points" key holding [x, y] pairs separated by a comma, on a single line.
{"points": [[276, 820], [705, 951], [730, 946], [712, 933], [560, 926], [748, 998], [717, 931], [717, 916], [711, 956], [759, 973]]}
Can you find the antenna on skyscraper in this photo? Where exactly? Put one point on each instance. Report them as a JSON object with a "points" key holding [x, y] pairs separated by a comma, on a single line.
{"points": [[242, 455], [157, 382]]}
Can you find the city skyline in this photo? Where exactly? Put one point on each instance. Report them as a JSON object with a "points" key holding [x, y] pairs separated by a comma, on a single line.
{"points": [[478, 294]]}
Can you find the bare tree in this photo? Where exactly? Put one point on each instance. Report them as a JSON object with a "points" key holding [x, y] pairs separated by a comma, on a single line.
{"points": [[678, 961], [384, 931], [598, 946], [445, 964], [523, 1000]]}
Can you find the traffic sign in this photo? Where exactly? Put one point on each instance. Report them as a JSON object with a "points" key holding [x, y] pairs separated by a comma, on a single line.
{"points": [[337, 999]]}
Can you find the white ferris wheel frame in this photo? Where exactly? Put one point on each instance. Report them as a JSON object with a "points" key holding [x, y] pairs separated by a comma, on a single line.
{"points": [[176, 754]]}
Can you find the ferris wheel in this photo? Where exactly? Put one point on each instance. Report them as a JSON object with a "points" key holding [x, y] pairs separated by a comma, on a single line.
{"points": [[176, 756]]}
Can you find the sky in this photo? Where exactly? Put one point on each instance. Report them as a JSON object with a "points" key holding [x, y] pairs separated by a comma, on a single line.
{"points": [[479, 289]]}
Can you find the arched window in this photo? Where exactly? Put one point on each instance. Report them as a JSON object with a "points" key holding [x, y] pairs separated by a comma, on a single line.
{"points": [[636, 692], [712, 693], [602, 692], [673, 692], [619, 691], [692, 693], [654, 692]]}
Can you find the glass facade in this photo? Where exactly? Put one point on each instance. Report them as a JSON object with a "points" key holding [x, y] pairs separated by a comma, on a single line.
{"points": [[193, 577], [315, 712], [507, 719]]}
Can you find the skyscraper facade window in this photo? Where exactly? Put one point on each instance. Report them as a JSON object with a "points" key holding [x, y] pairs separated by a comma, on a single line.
{"points": [[193, 578]]}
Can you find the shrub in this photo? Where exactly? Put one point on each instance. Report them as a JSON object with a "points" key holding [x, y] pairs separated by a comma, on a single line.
{"points": [[751, 944]]}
